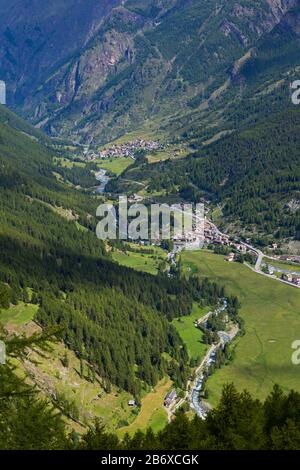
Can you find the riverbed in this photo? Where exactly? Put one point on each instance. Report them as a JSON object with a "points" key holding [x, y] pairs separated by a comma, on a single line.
{"points": [[103, 179]]}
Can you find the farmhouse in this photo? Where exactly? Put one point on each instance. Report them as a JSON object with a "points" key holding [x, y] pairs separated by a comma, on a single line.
{"points": [[170, 398], [230, 258], [287, 277], [241, 248]]}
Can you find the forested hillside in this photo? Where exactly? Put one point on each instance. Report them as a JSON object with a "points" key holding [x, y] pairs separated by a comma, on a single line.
{"points": [[114, 317], [239, 422]]}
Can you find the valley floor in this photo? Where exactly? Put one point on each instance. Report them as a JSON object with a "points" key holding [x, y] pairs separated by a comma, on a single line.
{"points": [[271, 312]]}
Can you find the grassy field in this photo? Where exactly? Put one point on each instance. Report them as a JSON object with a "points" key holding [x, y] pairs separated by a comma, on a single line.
{"points": [[146, 262], [115, 165], [189, 334], [271, 312], [170, 152], [65, 163], [152, 412], [18, 314]]}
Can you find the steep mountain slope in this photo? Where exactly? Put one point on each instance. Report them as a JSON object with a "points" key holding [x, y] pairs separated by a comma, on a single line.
{"points": [[38, 36], [145, 60]]}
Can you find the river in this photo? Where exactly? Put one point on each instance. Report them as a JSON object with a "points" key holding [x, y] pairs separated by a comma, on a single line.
{"points": [[196, 403], [103, 179]]}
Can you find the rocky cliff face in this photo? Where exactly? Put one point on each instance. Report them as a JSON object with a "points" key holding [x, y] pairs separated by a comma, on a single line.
{"points": [[139, 61], [38, 36]]}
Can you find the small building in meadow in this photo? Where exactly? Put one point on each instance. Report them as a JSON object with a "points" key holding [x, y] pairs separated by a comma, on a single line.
{"points": [[230, 258], [170, 398], [287, 277]]}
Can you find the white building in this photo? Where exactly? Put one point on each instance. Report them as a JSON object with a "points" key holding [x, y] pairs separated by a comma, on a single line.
{"points": [[2, 92]]}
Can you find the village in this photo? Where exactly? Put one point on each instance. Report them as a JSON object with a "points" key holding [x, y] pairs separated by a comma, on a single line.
{"points": [[210, 236], [127, 149], [292, 279]]}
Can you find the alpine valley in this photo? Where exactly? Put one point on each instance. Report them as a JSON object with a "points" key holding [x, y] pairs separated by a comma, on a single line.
{"points": [[136, 345]]}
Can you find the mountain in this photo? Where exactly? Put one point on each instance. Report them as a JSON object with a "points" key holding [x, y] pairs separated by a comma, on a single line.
{"points": [[141, 61], [245, 142], [39, 36], [225, 83]]}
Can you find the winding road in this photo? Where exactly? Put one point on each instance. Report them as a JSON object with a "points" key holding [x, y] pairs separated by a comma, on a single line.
{"points": [[260, 257]]}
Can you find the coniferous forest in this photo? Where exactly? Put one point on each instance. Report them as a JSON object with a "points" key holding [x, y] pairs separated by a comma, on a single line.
{"points": [[111, 345], [239, 422]]}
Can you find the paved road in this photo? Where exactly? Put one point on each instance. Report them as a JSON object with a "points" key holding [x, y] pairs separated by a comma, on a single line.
{"points": [[260, 256]]}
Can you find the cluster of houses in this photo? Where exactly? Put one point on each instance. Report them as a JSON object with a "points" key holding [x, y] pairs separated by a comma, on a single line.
{"points": [[287, 277], [170, 398], [213, 236], [189, 240], [290, 258], [127, 149]]}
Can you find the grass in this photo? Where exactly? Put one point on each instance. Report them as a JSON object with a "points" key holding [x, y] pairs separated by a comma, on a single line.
{"points": [[189, 334], [115, 165], [46, 369], [152, 412], [271, 312], [146, 262], [81, 228], [282, 265], [171, 152], [65, 163], [18, 314], [89, 398], [216, 215]]}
